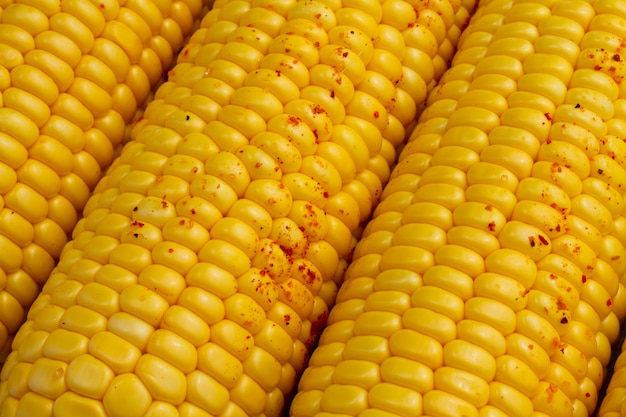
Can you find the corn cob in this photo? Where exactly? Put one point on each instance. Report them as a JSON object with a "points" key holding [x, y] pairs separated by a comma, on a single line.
{"points": [[73, 75], [613, 402], [488, 281], [203, 269]]}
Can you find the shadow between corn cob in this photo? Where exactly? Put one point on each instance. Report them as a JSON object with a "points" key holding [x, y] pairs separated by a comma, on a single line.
{"points": [[73, 75], [489, 281], [209, 254]]}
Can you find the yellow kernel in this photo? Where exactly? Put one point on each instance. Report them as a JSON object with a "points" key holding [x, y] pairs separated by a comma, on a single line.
{"points": [[152, 371], [198, 384], [491, 312], [439, 327], [463, 384], [513, 371], [88, 376], [395, 399], [48, 377], [440, 403], [65, 345], [69, 403], [219, 364], [143, 302], [509, 399], [501, 288], [82, 320], [127, 396]]}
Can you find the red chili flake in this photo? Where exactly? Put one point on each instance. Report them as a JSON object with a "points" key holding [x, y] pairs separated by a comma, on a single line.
{"points": [[317, 109], [553, 276], [542, 239], [609, 302], [614, 257], [181, 222], [547, 115], [489, 207], [102, 5], [531, 240], [345, 54], [617, 58], [164, 204], [587, 394], [584, 279], [492, 226], [597, 67], [193, 211], [376, 115], [170, 250]]}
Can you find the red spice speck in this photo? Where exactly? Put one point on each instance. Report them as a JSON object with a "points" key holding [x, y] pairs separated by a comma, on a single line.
{"points": [[542, 239], [376, 115], [170, 250], [609, 302]]}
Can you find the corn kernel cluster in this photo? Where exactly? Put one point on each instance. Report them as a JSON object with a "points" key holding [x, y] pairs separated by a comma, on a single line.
{"points": [[488, 282], [73, 75], [328, 208], [209, 254]]}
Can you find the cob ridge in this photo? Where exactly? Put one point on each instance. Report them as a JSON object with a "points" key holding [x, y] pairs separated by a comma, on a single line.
{"points": [[73, 75], [489, 281], [208, 256]]}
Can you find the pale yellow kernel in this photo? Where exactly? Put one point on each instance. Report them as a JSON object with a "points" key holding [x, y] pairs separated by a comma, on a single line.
{"points": [[127, 396], [132, 257], [48, 377], [65, 345], [72, 403], [82, 320], [130, 328], [225, 255], [89, 376], [437, 402], [119, 354], [219, 364], [198, 384], [161, 409], [172, 348], [152, 371]]}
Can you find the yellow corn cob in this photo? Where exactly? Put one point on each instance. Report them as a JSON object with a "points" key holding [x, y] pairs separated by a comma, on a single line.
{"points": [[613, 402], [73, 75], [488, 281], [209, 254]]}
